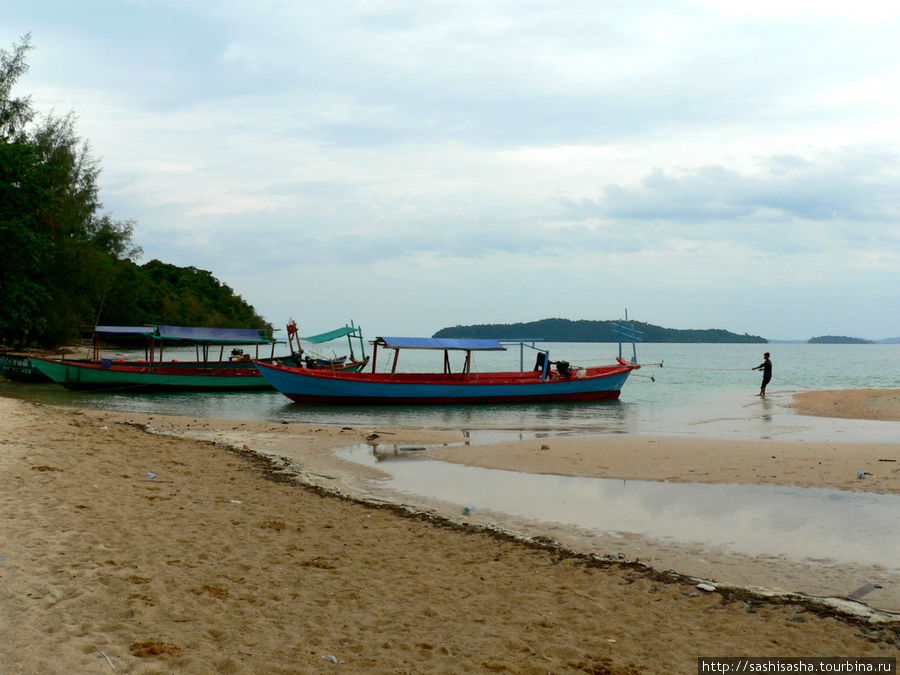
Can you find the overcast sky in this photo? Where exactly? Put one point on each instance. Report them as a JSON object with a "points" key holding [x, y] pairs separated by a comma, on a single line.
{"points": [[412, 165]]}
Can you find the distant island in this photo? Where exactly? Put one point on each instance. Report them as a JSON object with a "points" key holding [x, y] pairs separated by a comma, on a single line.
{"points": [[838, 340], [567, 330]]}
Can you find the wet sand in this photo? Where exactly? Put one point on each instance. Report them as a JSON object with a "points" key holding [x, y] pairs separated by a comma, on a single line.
{"points": [[864, 404], [145, 544]]}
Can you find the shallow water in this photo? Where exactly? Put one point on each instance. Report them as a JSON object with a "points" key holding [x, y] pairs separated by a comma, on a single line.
{"points": [[701, 389], [660, 407], [793, 523]]}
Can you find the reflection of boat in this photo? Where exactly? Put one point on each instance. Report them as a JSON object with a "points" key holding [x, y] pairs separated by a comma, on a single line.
{"points": [[545, 383], [205, 373], [318, 361]]}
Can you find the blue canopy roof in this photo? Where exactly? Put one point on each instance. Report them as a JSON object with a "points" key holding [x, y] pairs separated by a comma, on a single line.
{"points": [[238, 336], [469, 345]]}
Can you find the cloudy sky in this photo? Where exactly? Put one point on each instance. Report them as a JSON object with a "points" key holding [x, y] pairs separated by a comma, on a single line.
{"points": [[413, 165]]}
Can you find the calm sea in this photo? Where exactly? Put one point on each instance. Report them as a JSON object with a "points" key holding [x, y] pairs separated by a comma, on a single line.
{"points": [[703, 389]]}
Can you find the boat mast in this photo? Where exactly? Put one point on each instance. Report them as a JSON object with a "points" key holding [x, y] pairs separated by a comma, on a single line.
{"points": [[350, 342], [627, 330]]}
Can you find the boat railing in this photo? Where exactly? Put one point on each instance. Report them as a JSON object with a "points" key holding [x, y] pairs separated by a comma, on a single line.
{"points": [[543, 360]]}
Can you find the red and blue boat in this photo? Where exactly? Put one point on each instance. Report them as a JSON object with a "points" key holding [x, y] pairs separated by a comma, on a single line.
{"points": [[549, 381]]}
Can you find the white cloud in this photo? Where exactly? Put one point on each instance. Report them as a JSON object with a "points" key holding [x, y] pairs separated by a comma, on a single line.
{"points": [[709, 164]]}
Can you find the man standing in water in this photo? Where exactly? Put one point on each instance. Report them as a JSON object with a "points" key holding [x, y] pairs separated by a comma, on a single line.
{"points": [[766, 367]]}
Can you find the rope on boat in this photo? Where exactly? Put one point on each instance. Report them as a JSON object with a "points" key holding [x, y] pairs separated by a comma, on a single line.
{"points": [[695, 368], [795, 384]]}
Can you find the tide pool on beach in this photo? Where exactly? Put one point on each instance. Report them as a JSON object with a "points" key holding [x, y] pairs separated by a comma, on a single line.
{"points": [[792, 522]]}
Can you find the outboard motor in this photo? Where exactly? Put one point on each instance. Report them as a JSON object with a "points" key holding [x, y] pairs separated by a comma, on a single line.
{"points": [[562, 367]]}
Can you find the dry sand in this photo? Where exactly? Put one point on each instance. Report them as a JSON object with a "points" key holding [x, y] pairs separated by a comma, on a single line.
{"points": [[125, 550]]}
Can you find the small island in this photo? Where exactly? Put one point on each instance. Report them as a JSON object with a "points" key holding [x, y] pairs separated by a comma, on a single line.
{"points": [[838, 340], [567, 330]]}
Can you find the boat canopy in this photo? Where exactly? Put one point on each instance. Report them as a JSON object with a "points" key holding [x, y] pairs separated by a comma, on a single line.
{"points": [[241, 336], [125, 330], [462, 344], [331, 335], [237, 336]]}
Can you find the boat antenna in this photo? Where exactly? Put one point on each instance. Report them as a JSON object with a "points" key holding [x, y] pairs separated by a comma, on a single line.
{"points": [[100, 308]]}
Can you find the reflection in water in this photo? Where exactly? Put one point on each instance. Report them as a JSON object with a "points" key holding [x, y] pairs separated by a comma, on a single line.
{"points": [[383, 453], [766, 414], [790, 522], [273, 407], [720, 414]]}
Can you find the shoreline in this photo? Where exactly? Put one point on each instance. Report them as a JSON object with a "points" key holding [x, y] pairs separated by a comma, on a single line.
{"points": [[103, 560]]}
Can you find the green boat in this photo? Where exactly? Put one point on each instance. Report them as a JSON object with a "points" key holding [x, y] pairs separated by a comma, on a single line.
{"points": [[237, 373], [113, 377]]}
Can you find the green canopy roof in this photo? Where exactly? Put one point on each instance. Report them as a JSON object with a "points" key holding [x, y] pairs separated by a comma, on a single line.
{"points": [[331, 335]]}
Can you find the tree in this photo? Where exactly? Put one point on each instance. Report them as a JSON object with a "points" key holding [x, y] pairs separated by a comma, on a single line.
{"points": [[21, 245], [56, 245], [65, 263], [15, 113]]}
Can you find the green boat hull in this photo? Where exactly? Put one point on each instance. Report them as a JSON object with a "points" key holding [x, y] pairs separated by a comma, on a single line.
{"points": [[96, 377], [18, 368]]}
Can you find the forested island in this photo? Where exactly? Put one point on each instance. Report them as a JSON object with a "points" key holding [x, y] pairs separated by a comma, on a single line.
{"points": [[567, 330], [838, 340], [67, 265]]}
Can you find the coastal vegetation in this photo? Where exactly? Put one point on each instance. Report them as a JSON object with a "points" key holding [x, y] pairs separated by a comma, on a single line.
{"points": [[566, 330], [66, 263]]}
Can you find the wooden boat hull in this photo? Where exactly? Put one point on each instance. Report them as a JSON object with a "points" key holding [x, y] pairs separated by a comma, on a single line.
{"points": [[18, 368], [137, 378], [322, 387]]}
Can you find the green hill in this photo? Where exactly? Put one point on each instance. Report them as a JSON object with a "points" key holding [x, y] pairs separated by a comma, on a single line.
{"points": [[158, 292], [567, 330]]}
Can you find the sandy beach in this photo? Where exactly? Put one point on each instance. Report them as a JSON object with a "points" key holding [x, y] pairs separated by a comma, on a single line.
{"points": [[149, 544]]}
